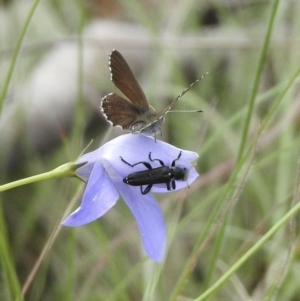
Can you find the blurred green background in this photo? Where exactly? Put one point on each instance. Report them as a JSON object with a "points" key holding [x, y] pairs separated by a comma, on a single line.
{"points": [[53, 76]]}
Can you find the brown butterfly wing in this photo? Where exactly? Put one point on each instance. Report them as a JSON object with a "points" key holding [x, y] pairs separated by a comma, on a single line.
{"points": [[118, 110], [125, 81]]}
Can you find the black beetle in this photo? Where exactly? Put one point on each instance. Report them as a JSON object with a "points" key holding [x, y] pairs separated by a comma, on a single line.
{"points": [[158, 175]]}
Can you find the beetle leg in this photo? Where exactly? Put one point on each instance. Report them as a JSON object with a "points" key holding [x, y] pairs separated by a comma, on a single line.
{"points": [[160, 161], [146, 190], [168, 185], [173, 163], [173, 184], [148, 165]]}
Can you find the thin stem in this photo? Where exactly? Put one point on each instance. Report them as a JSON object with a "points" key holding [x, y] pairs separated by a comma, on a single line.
{"points": [[16, 52], [259, 71], [249, 253], [63, 171]]}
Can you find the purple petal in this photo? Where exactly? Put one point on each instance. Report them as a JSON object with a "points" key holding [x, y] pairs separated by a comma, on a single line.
{"points": [[99, 196], [134, 149], [91, 158], [149, 218]]}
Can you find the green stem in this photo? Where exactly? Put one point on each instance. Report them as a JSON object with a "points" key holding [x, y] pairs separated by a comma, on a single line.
{"points": [[63, 171], [17, 51], [248, 254], [259, 71]]}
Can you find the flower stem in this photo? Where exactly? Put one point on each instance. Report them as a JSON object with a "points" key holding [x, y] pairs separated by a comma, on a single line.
{"points": [[63, 171]]}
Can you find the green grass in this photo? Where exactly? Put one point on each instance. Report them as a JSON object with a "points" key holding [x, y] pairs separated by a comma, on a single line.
{"points": [[234, 234]]}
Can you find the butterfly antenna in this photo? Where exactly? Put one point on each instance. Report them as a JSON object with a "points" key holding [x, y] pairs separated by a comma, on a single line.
{"points": [[185, 111], [190, 86], [181, 94]]}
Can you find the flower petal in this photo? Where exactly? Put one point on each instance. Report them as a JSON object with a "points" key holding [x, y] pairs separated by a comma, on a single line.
{"points": [[136, 148], [149, 218], [99, 196], [91, 158]]}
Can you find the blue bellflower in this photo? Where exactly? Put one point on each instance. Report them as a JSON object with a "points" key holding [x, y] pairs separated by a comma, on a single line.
{"points": [[104, 173]]}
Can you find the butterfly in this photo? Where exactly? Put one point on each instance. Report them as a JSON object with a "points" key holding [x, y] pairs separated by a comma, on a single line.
{"points": [[134, 113]]}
